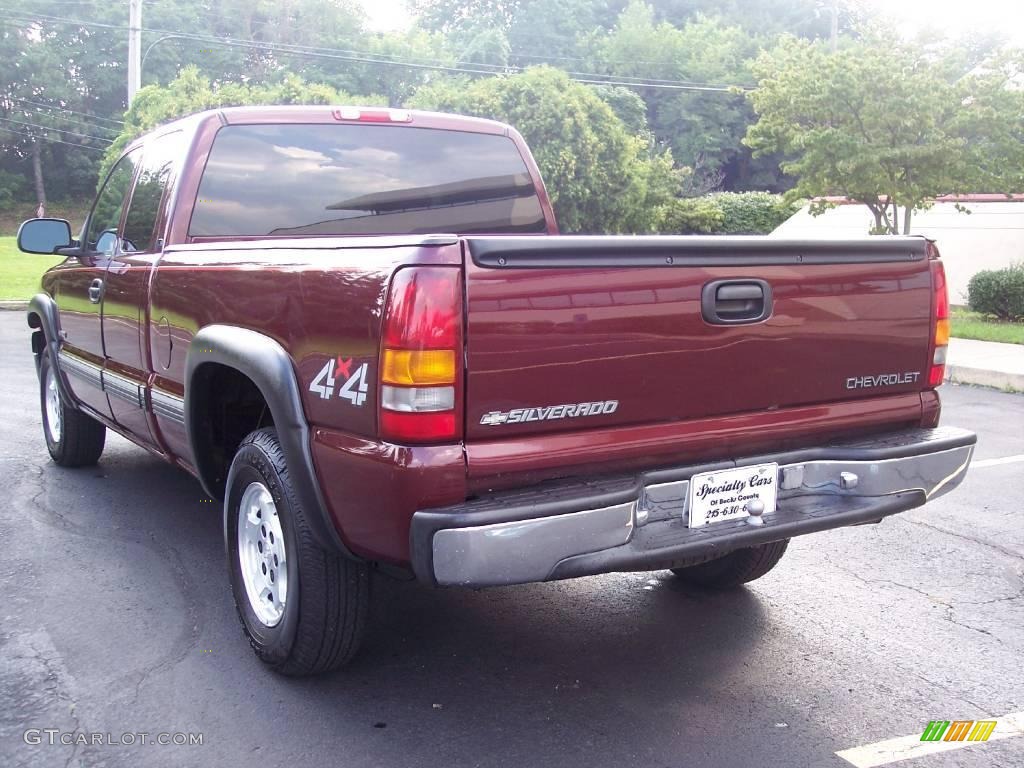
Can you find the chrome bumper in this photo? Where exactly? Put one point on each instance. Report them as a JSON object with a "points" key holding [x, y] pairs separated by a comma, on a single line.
{"points": [[578, 528]]}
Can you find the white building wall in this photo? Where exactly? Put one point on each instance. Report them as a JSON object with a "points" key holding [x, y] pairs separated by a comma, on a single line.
{"points": [[990, 237]]}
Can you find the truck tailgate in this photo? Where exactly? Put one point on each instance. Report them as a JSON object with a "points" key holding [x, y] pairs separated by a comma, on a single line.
{"points": [[573, 333]]}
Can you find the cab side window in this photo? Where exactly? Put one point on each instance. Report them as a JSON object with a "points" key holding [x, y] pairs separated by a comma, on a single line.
{"points": [[106, 212], [158, 167]]}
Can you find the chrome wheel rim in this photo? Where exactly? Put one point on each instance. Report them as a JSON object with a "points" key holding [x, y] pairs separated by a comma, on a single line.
{"points": [[261, 554], [53, 410]]}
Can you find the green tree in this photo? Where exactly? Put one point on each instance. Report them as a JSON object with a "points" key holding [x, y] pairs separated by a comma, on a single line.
{"points": [[68, 77], [397, 83], [45, 125], [601, 177], [450, 15], [888, 124], [810, 19], [704, 128], [556, 31]]}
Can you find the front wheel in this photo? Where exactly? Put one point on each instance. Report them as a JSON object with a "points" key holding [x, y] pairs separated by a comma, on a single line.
{"points": [[303, 608], [735, 568], [73, 438]]}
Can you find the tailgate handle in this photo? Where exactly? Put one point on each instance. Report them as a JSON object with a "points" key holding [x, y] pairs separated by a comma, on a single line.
{"points": [[730, 302]]}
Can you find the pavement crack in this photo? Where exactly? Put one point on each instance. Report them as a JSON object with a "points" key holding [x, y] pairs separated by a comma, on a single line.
{"points": [[901, 585], [964, 537], [36, 657], [948, 605], [1007, 599]]}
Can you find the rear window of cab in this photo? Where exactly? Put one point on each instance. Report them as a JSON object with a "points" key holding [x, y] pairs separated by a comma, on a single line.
{"points": [[298, 180]]}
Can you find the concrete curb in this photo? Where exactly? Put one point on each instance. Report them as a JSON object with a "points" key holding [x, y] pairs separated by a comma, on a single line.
{"points": [[14, 306], [981, 377]]}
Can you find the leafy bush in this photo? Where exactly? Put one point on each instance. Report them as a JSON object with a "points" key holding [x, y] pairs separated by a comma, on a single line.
{"points": [[692, 216], [727, 213], [998, 292], [752, 213]]}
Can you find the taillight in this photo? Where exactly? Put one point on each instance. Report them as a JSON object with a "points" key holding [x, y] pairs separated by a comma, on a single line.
{"points": [[940, 335], [421, 349]]}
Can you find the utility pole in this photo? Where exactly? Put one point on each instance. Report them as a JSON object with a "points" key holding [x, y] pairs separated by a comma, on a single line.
{"points": [[134, 48]]}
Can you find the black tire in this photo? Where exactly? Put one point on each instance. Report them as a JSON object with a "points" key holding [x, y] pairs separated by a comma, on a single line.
{"points": [[78, 439], [735, 568], [323, 617]]}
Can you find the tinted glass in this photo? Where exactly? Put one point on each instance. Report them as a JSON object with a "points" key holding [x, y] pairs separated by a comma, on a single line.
{"points": [[158, 163], [362, 179], [106, 213]]}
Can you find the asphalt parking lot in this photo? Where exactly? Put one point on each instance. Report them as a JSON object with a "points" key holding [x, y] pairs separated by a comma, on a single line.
{"points": [[117, 617]]}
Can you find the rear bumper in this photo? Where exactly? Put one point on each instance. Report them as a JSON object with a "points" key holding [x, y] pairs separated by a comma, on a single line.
{"points": [[639, 522]]}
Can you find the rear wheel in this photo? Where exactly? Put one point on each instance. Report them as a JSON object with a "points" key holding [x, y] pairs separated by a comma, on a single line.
{"points": [[303, 608], [73, 438], [735, 568]]}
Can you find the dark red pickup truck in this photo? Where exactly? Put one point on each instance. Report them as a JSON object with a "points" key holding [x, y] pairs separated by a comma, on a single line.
{"points": [[358, 329]]}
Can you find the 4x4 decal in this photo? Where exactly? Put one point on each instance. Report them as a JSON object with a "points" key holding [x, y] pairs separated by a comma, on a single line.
{"points": [[353, 388]]}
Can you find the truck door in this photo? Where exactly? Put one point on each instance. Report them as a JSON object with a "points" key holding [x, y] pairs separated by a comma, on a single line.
{"points": [[79, 290], [126, 286]]}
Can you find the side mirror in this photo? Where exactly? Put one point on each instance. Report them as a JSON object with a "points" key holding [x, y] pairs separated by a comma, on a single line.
{"points": [[44, 236]]}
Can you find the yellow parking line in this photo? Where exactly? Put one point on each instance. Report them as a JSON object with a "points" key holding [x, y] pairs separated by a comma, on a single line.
{"points": [[907, 747]]}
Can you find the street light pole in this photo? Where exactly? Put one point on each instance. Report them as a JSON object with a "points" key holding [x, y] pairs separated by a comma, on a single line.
{"points": [[134, 48], [160, 39]]}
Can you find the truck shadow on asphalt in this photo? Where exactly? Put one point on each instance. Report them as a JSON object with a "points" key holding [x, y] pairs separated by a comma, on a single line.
{"points": [[600, 656]]}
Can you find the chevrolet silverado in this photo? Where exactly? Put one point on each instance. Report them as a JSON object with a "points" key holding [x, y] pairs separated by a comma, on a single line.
{"points": [[361, 331]]}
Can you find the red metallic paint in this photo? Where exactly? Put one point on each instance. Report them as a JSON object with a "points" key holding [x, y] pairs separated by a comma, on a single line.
{"points": [[80, 320], [529, 459], [373, 488], [931, 408], [544, 337], [319, 299], [125, 313]]}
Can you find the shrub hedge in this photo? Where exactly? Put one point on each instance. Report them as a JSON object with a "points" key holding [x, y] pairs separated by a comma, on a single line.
{"points": [[726, 213], [998, 292]]}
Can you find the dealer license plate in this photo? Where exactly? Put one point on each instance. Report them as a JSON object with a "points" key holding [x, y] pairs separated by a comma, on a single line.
{"points": [[724, 495]]}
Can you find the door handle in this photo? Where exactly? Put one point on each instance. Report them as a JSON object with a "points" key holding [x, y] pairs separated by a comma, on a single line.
{"points": [[731, 302], [96, 291], [740, 293]]}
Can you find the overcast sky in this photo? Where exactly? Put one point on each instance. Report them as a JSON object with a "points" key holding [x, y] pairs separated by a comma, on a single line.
{"points": [[949, 16], [386, 15], [954, 17]]}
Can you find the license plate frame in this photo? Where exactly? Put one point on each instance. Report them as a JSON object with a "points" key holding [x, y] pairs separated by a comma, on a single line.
{"points": [[716, 497]]}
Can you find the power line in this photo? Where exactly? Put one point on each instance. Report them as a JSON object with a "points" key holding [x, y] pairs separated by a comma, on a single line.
{"points": [[55, 141], [64, 109], [305, 24], [74, 121], [295, 50], [309, 25], [363, 57], [59, 130]]}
